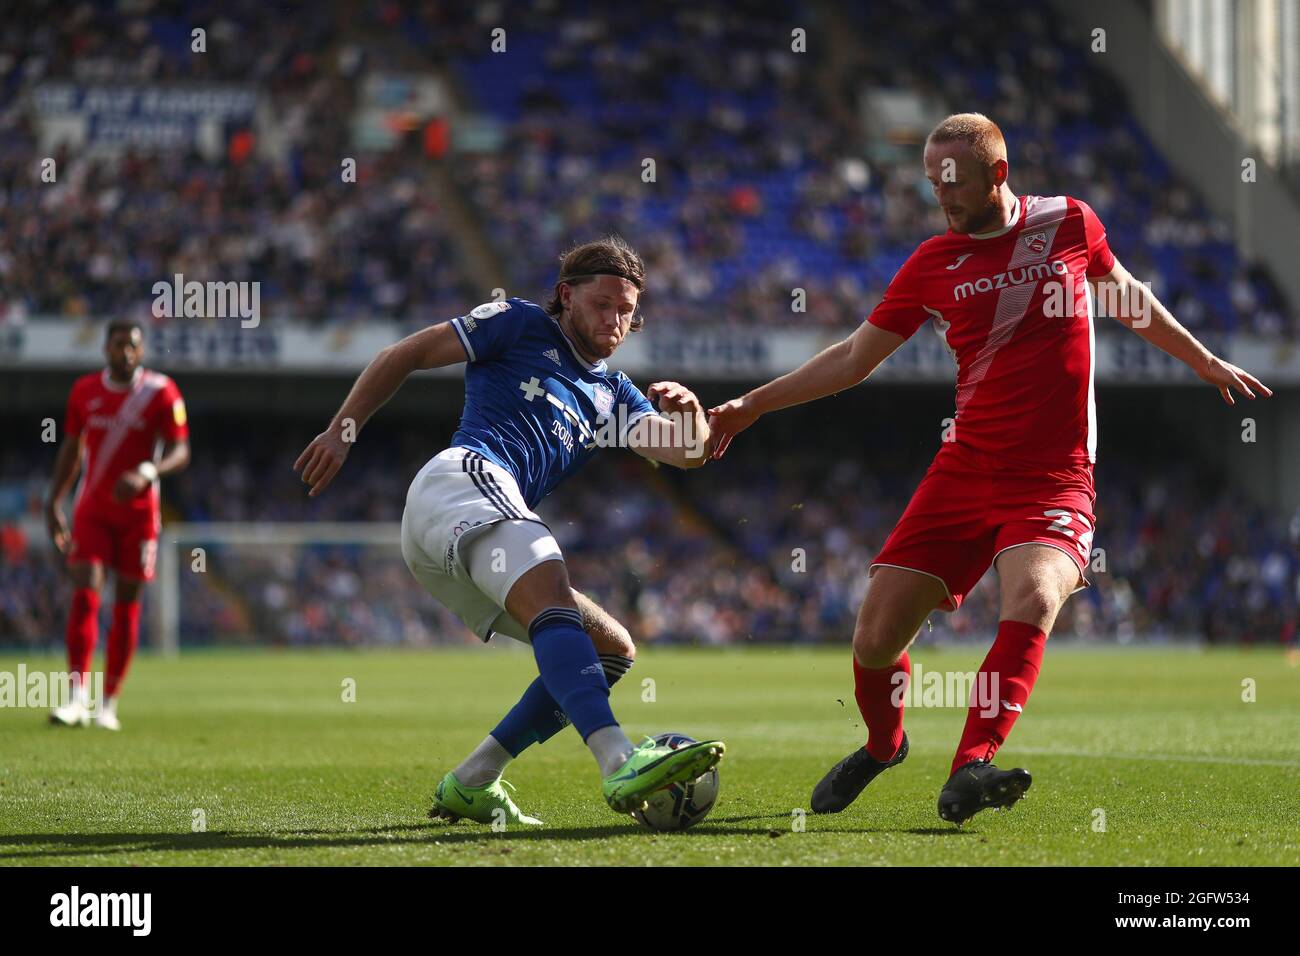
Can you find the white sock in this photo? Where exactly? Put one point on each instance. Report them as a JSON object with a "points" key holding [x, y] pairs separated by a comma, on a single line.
{"points": [[110, 705], [610, 747], [484, 765]]}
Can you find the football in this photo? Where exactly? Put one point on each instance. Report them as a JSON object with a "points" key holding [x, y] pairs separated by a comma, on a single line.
{"points": [[680, 805]]}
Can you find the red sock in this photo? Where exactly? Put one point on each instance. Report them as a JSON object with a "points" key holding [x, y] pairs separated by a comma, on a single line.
{"points": [[121, 644], [877, 690], [83, 631], [1007, 674]]}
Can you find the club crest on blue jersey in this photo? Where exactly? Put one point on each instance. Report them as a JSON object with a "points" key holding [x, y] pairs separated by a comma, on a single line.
{"points": [[533, 405]]}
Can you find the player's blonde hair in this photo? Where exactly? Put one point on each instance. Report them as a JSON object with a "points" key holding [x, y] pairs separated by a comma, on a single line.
{"points": [[977, 131]]}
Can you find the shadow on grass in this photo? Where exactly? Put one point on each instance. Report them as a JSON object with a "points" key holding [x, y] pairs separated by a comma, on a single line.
{"points": [[41, 845], [783, 825], [31, 846]]}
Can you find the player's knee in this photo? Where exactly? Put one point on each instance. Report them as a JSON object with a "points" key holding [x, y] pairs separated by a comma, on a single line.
{"points": [[543, 586], [128, 589], [1034, 603], [876, 644], [86, 575]]}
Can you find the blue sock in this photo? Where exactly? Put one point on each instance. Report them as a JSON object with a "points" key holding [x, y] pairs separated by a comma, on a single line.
{"points": [[537, 717], [570, 670]]}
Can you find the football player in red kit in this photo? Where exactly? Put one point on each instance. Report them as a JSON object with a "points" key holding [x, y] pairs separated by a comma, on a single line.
{"points": [[1006, 288], [117, 420]]}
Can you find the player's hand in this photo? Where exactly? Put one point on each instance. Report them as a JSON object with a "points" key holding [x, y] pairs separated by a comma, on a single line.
{"points": [[728, 420], [674, 397], [321, 460], [130, 484], [57, 526], [1226, 377]]}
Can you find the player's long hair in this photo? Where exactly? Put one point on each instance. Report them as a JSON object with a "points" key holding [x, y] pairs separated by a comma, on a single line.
{"points": [[610, 256]]}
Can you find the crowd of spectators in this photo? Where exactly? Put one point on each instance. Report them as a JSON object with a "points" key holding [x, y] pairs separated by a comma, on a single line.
{"points": [[761, 185], [766, 177], [273, 208], [762, 547]]}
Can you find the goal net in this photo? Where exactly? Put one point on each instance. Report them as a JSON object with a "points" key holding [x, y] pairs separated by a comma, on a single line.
{"points": [[296, 585]]}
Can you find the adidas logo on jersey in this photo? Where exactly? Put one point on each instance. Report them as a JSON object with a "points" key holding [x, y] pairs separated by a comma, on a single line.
{"points": [[553, 355]]}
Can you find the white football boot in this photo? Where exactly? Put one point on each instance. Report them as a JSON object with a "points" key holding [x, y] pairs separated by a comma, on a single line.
{"points": [[107, 716], [71, 714]]}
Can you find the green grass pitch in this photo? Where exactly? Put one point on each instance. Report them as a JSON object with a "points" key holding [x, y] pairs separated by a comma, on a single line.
{"points": [[1158, 746]]}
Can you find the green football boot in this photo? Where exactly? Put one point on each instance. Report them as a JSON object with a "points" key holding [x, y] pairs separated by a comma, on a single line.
{"points": [[454, 800], [653, 766]]}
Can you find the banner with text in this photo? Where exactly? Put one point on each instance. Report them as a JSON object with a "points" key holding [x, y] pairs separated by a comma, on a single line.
{"points": [[719, 354]]}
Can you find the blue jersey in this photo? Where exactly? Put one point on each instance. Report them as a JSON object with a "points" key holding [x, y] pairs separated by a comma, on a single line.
{"points": [[532, 404]]}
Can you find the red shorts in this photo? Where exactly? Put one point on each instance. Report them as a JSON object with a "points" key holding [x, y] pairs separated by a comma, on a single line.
{"points": [[125, 540], [970, 507]]}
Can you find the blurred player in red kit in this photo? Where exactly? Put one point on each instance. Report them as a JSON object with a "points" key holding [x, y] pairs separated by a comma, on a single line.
{"points": [[1006, 288], [117, 420]]}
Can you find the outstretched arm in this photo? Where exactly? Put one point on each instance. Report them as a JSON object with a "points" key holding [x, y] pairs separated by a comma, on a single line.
{"points": [[1137, 307], [679, 435], [832, 370], [434, 347]]}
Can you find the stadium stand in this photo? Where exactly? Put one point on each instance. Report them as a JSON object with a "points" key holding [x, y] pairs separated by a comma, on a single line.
{"points": [[1185, 554], [736, 217]]}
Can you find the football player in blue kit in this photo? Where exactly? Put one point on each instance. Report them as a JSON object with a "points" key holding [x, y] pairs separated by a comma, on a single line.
{"points": [[539, 403]]}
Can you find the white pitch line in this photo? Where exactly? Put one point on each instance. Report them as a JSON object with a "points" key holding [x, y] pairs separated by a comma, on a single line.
{"points": [[1169, 758]]}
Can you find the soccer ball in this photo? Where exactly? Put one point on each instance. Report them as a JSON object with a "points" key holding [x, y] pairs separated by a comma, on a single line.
{"points": [[679, 805]]}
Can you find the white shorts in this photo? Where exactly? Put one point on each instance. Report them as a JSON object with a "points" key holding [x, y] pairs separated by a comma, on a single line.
{"points": [[457, 497]]}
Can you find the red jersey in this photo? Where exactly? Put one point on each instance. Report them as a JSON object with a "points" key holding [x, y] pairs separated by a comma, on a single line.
{"points": [[1012, 306], [123, 425]]}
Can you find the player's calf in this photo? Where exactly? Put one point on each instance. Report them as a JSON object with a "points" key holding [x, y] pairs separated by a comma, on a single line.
{"points": [[613, 642], [608, 635]]}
